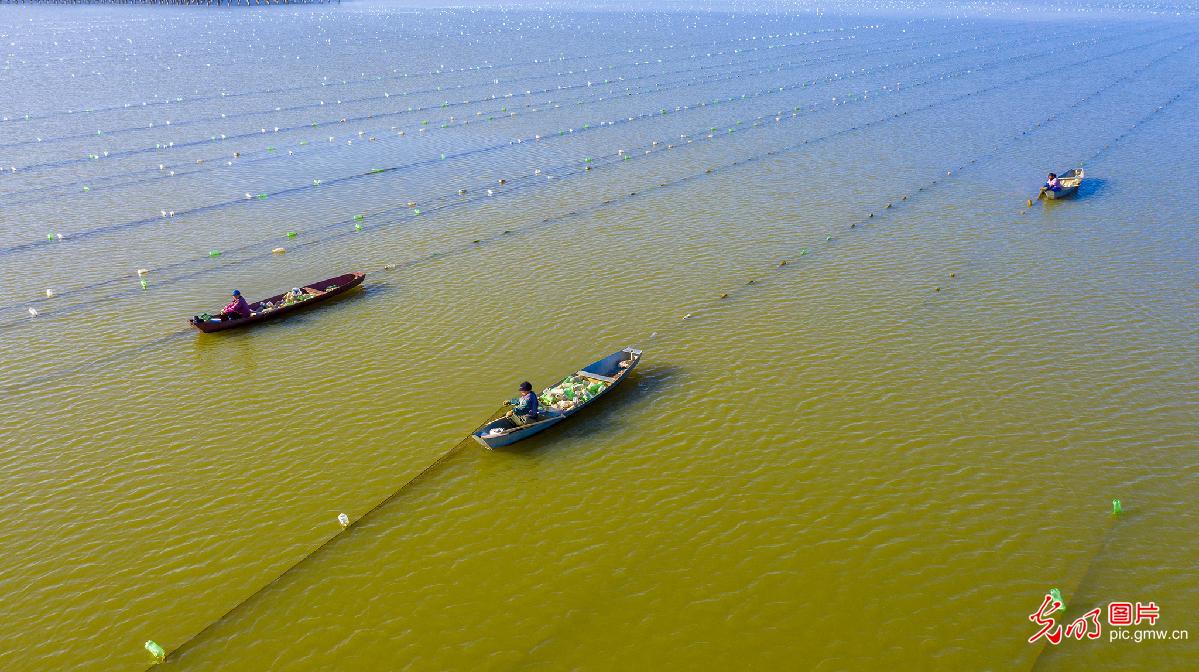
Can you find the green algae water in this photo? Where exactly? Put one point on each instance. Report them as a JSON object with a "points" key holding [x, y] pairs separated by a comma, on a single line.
{"points": [[884, 405]]}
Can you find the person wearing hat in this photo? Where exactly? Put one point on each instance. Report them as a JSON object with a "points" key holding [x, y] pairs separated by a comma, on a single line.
{"points": [[292, 296], [237, 308], [525, 408]]}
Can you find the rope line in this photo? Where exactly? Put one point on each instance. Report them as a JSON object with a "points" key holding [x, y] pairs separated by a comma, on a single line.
{"points": [[211, 162], [388, 96], [548, 136], [214, 139], [684, 180], [222, 138], [441, 203], [429, 73], [344, 533], [463, 444]]}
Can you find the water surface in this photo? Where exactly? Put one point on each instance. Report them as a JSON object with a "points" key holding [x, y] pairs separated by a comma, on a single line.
{"points": [[882, 452]]}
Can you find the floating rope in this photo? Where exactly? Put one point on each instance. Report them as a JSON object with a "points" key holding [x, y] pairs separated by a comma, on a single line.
{"points": [[754, 158], [1073, 589], [526, 180], [437, 72], [686, 179], [467, 442], [425, 162], [400, 95], [347, 529], [213, 162], [410, 110]]}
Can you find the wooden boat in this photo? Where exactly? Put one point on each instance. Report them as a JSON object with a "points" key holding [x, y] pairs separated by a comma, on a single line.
{"points": [[604, 374], [269, 309], [1069, 181]]}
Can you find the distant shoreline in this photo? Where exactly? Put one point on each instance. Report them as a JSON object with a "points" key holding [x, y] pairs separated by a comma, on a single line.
{"points": [[243, 3]]}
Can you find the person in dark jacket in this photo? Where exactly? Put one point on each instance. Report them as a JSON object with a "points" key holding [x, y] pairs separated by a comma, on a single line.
{"points": [[525, 408]]}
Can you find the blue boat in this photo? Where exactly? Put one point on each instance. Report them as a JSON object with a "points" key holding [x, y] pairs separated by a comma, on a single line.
{"points": [[574, 393]]}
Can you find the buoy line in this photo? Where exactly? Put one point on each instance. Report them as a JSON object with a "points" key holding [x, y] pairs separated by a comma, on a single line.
{"points": [[462, 445], [216, 139], [1073, 589], [397, 97], [271, 153], [348, 527], [928, 186], [627, 157], [830, 58], [213, 162], [608, 203], [327, 226], [542, 106], [646, 115], [13, 117]]}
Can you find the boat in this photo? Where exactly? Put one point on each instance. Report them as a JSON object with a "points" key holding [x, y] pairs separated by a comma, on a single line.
{"points": [[565, 399], [269, 309], [1069, 181]]}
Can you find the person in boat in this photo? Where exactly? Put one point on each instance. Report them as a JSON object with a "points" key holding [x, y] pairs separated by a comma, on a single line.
{"points": [[236, 309], [525, 408], [1052, 184], [292, 296]]}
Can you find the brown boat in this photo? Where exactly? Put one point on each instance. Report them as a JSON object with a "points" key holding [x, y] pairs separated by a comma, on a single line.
{"points": [[269, 309]]}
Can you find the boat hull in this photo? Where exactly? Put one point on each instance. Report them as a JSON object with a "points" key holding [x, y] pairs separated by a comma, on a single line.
{"points": [[1061, 193], [1070, 181], [604, 368], [344, 284], [516, 435]]}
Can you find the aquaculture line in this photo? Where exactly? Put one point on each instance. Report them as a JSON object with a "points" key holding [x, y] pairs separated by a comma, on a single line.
{"points": [[462, 445], [368, 219]]}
